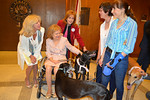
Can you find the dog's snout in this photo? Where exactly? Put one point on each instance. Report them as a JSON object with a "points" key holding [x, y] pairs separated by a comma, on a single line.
{"points": [[128, 83]]}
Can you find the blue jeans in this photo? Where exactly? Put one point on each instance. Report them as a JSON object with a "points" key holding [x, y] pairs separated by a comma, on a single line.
{"points": [[118, 74], [112, 86], [98, 74]]}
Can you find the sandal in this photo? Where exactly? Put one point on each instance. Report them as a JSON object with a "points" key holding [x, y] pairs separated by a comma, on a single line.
{"points": [[48, 96], [35, 83], [54, 95], [29, 86]]}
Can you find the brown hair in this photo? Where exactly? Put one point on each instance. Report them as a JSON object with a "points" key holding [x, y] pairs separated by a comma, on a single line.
{"points": [[53, 28], [123, 4], [107, 7], [68, 13]]}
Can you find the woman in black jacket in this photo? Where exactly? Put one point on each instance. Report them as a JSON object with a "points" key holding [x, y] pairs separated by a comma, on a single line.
{"points": [[144, 56]]}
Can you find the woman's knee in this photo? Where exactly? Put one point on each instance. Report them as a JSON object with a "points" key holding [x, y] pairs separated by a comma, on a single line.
{"points": [[55, 70], [48, 68]]}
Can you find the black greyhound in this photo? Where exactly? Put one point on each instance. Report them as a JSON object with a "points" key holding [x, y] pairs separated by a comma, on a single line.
{"points": [[82, 64], [73, 88]]}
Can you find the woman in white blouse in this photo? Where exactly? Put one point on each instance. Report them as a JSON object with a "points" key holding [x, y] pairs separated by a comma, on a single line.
{"points": [[29, 46], [105, 13]]}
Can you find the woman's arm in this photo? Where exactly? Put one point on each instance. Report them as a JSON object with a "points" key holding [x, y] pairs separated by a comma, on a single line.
{"points": [[24, 45], [72, 48], [48, 51], [99, 51], [102, 57], [131, 38]]}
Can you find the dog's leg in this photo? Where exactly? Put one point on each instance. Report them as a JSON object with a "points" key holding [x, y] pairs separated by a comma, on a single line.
{"points": [[87, 75], [76, 75], [76, 69], [88, 66], [135, 88], [60, 98], [79, 76], [128, 94], [83, 75]]}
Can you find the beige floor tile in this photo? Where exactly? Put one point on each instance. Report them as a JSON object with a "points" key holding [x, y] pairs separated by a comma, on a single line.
{"points": [[12, 81], [10, 93], [11, 72]]}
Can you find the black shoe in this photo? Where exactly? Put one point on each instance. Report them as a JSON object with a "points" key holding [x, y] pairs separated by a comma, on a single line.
{"points": [[148, 95]]}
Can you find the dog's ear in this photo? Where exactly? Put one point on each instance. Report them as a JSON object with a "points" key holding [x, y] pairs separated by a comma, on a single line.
{"points": [[65, 67], [61, 65]]}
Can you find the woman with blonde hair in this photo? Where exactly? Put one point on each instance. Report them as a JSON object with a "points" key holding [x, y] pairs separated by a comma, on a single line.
{"points": [[29, 46], [56, 46], [70, 29]]}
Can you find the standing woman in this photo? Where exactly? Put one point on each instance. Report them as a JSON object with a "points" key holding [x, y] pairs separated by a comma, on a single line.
{"points": [[29, 46], [105, 13], [144, 56], [70, 29], [120, 43]]}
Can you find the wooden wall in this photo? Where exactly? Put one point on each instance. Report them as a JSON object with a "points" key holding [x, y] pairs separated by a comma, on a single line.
{"points": [[50, 11], [53, 10], [90, 33]]}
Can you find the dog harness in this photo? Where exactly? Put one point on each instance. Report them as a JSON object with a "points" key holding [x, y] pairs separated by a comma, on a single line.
{"points": [[81, 66]]}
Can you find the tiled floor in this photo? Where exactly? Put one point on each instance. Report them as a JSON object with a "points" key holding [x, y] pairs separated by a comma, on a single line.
{"points": [[12, 86]]}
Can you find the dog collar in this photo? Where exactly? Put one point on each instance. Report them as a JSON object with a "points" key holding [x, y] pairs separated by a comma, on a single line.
{"points": [[60, 69]]}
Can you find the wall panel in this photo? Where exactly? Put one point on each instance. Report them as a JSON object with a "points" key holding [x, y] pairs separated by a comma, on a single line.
{"points": [[90, 33], [53, 10], [49, 10]]}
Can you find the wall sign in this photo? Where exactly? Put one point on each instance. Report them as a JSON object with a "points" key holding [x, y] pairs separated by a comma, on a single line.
{"points": [[19, 10]]}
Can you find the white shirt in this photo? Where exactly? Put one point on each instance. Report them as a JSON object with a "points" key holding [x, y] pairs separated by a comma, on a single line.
{"points": [[104, 34], [23, 49]]}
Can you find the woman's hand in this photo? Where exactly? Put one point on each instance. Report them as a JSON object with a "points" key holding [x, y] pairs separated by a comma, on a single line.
{"points": [[33, 59], [81, 53], [56, 61], [108, 65], [100, 62], [142, 72], [84, 49], [97, 60]]}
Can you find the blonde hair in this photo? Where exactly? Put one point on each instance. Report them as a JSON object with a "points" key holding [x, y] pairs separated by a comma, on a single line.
{"points": [[68, 13], [27, 28], [52, 29]]}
